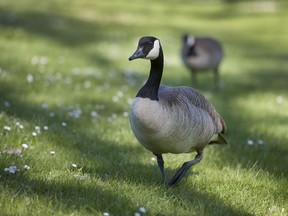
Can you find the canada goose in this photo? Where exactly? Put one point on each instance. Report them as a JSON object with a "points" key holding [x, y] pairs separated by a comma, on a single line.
{"points": [[201, 54], [171, 119]]}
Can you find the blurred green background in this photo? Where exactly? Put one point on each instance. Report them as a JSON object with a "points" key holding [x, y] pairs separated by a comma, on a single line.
{"points": [[66, 86]]}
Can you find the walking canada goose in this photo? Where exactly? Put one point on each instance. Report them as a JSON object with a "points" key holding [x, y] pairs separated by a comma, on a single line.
{"points": [[171, 119], [202, 54]]}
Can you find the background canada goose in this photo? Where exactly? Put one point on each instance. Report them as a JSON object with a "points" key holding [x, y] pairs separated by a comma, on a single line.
{"points": [[202, 54], [171, 119]]}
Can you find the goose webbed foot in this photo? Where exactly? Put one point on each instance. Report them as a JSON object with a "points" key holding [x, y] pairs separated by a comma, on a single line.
{"points": [[183, 170]]}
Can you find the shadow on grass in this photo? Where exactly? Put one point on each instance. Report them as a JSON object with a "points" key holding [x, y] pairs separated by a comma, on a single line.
{"points": [[67, 30], [112, 162]]}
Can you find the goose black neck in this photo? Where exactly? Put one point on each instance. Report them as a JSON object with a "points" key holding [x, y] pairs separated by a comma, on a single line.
{"points": [[151, 87]]}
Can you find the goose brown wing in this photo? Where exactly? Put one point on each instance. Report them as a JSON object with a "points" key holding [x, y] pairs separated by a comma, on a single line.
{"points": [[172, 94]]}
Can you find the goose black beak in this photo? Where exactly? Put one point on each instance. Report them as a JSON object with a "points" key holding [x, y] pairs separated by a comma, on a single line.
{"points": [[137, 54]]}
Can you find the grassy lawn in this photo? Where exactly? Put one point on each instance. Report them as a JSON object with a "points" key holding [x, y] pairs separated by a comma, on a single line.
{"points": [[65, 91]]}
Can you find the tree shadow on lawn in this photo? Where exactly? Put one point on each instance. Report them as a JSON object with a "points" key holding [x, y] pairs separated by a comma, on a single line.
{"points": [[111, 163], [67, 30]]}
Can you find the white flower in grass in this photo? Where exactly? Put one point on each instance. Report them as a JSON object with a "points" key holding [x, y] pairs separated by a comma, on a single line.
{"points": [[26, 167], [279, 99], [7, 104], [7, 128], [142, 210], [152, 159], [37, 129], [94, 114], [260, 142], [64, 124], [106, 214], [250, 142], [52, 152], [120, 94], [74, 165], [45, 127], [75, 113], [51, 114], [12, 169], [19, 125], [43, 60], [30, 78], [44, 106], [24, 146], [34, 133], [115, 99], [137, 214]]}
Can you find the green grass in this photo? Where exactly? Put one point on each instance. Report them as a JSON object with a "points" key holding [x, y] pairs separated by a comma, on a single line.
{"points": [[64, 61]]}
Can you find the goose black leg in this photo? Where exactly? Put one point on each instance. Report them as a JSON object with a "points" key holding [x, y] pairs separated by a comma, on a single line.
{"points": [[216, 78], [194, 77], [183, 170], [160, 162]]}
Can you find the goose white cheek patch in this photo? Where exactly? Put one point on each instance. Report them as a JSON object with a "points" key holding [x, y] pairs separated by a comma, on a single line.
{"points": [[190, 41], [154, 53]]}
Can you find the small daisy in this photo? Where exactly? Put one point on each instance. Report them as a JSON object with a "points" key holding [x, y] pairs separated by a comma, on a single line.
{"points": [[37, 129], [24, 146], [7, 128], [279, 99], [44, 106], [94, 114], [7, 104], [30, 78], [114, 116], [26, 167], [115, 99], [120, 93], [250, 142], [51, 114], [12, 169], [142, 210]]}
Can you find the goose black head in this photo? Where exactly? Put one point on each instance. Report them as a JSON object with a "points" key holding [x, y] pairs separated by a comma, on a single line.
{"points": [[148, 48]]}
